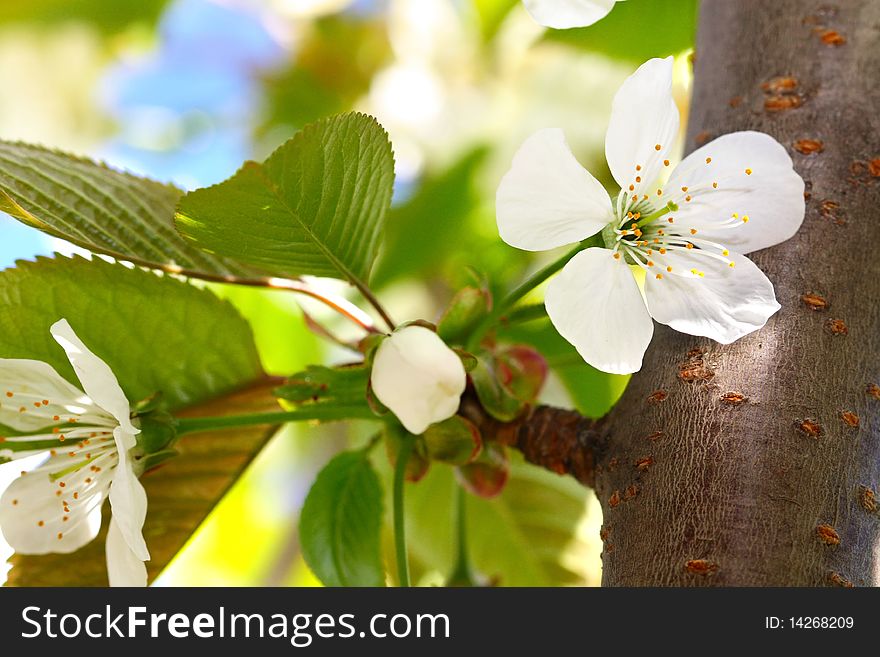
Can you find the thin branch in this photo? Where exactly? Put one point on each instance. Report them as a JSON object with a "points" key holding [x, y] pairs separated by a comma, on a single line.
{"points": [[559, 440]]}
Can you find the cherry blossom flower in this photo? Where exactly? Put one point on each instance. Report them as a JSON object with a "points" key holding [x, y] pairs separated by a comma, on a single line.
{"points": [[87, 436], [562, 14], [418, 377], [686, 228]]}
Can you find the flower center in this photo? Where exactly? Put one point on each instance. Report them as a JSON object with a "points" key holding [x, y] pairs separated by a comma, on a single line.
{"points": [[644, 232]]}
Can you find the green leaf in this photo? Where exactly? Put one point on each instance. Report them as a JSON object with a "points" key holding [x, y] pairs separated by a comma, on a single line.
{"points": [[529, 535], [100, 209], [637, 30], [336, 392], [316, 206], [341, 522], [156, 332], [592, 392]]}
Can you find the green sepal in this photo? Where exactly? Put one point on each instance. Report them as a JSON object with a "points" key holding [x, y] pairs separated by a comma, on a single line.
{"points": [[467, 308], [158, 432], [497, 401], [455, 441]]}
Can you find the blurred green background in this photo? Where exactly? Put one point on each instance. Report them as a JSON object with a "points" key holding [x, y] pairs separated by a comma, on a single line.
{"points": [[184, 90]]}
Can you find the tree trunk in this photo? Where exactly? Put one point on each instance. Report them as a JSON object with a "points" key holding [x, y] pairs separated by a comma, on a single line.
{"points": [[756, 463]]}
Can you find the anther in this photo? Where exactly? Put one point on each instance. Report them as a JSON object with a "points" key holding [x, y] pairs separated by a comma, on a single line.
{"points": [[666, 163], [617, 256], [659, 276], [693, 231], [657, 147], [748, 172], [708, 160]]}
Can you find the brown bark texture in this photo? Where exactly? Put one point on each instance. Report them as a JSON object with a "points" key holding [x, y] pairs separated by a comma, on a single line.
{"points": [[758, 463]]}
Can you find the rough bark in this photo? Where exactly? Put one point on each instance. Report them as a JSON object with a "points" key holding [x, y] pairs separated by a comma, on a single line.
{"points": [[754, 463]]}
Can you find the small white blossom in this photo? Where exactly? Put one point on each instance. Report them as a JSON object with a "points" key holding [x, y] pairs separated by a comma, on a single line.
{"points": [[86, 436], [418, 377], [685, 228], [563, 14]]}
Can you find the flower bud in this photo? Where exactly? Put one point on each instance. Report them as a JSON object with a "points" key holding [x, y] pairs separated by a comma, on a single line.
{"points": [[417, 377]]}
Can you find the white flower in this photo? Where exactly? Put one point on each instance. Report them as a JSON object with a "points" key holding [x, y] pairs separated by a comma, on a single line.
{"points": [[418, 377], [56, 507], [562, 14], [734, 195]]}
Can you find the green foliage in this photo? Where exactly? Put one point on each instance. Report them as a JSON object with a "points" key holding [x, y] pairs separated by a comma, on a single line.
{"points": [[156, 333], [426, 230], [108, 17], [637, 30], [341, 522], [525, 536], [98, 208], [335, 393], [315, 206], [335, 61], [491, 14]]}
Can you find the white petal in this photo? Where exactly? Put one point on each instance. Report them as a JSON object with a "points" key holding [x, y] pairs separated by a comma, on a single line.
{"points": [[548, 199], [772, 196], [418, 377], [643, 116], [128, 499], [596, 305], [31, 382], [563, 14], [726, 304], [123, 566], [32, 515], [95, 375]]}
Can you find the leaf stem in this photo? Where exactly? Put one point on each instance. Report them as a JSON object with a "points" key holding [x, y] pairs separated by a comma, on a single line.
{"points": [[406, 447], [523, 289], [371, 298], [187, 425]]}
